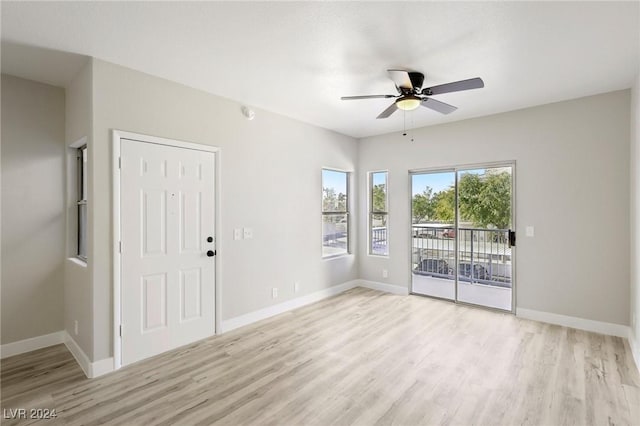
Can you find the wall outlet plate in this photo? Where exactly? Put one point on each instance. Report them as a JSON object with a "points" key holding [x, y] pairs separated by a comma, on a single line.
{"points": [[248, 233], [385, 273], [274, 293], [529, 231], [237, 234], [296, 286]]}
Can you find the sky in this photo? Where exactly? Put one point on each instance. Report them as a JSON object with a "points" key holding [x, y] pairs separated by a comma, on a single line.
{"points": [[438, 181], [334, 179]]}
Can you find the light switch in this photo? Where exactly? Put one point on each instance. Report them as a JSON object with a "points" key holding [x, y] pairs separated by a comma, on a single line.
{"points": [[237, 234], [529, 231], [248, 233]]}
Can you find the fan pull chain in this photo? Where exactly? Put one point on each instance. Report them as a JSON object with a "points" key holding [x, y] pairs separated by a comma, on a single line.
{"points": [[404, 125]]}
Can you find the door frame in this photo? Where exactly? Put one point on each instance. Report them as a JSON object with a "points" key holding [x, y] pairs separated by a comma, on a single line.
{"points": [[117, 136], [455, 169]]}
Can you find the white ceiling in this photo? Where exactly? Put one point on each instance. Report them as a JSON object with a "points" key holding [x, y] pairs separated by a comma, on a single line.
{"points": [[298, 58]]}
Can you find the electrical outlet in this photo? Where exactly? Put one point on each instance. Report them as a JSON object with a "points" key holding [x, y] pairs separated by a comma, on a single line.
{"points": [[274, 293], [296, 286], [530, 231], [385, 273], [237, 234], [248, 233], [75, 327]]}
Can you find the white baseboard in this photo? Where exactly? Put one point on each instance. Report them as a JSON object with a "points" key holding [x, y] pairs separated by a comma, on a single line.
{"points": [[91, 369], [28, 345], [387, 288], [608, 328], [251, 317]]}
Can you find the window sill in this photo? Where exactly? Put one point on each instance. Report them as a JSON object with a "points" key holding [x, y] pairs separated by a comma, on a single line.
{"points": [[378, 256], [336, 256], [78, 261]]}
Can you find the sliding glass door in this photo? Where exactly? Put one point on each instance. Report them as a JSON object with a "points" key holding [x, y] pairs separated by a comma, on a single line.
{"points": [[462, 243], [433, 227]]}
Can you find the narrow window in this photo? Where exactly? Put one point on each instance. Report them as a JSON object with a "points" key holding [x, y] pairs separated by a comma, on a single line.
{"points": [[335, 212], [378, 214], [82, 202]]}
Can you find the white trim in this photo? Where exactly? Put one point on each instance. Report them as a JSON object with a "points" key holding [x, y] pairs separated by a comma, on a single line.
{"points": [[120, 134], [115, 214], [79, 143], [608, 328], [387, 288], [117, 136], [255, 316], [31, 344], [635, 348], [81, 358], [102, 367], [90, 369]]}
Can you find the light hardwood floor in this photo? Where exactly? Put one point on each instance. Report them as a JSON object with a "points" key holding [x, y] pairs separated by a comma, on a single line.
{"points": [[364, 358]]}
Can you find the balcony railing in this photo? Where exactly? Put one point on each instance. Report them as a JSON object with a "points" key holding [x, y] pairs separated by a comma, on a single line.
{"points": [[484, 255]]}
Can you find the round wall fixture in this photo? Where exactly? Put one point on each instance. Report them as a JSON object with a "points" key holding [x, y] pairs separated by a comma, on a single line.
{"points": [[249, 113]]}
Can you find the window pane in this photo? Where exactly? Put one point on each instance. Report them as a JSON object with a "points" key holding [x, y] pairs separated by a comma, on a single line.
{"points": [[83, 170], [335, 229], [82, 230], [378, 235], [334, 191], [379, 192]]}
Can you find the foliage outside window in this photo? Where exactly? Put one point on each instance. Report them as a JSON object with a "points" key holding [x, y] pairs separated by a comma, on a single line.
{"points": [[484, 201], [82, 202], [378, 214], [335, 212]]}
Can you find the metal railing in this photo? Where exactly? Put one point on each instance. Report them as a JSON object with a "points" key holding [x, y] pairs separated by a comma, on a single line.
{"points": [[379, 240], [484, 255]]}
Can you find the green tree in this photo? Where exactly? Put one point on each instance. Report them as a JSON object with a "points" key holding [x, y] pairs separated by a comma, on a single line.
{"points": [[444, 206], [379, 197], [485, 200], [422, 207], [333, 202]]}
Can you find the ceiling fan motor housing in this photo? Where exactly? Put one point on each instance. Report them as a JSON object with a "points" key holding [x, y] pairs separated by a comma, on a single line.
{"points": [[417, 78]]}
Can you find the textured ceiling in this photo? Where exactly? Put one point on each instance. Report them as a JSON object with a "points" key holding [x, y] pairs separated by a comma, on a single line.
{"points": [[298, 58]]}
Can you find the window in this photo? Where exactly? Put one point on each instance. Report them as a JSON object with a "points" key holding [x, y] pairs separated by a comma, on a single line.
{"points": [[378, 214], [82, 202], [335, 212]]}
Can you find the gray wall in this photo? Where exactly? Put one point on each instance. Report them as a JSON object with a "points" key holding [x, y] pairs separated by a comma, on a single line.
{"points": [[33, 221], [572, 184], [271, 182], [78, 294]]}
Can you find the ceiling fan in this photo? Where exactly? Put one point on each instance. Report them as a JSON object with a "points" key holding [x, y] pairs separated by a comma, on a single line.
{"points": [[412, 95]]}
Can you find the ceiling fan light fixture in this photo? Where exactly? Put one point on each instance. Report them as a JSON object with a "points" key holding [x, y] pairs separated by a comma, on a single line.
{"points": [[408, 102]]}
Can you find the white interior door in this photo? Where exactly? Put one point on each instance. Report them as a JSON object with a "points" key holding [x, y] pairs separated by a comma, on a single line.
{"points": [[168, 244]]}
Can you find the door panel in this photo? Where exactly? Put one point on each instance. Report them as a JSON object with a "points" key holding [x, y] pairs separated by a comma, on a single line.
{"points": [[154, 301], [484, 220], [167, 281], [433, 245], [191, 294]]}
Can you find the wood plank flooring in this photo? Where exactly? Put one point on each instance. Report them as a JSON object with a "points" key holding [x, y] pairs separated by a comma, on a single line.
{"points": [[360, 358]]}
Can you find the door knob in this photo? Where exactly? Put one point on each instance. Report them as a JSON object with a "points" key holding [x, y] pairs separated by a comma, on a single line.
{"points": [[209, 239], [211, 253]]}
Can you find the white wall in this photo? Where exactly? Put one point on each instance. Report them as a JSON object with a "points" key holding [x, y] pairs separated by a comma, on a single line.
{"points": [[78, 295], [635, 217], [271, 182], [33, 221], [572, 184]]}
